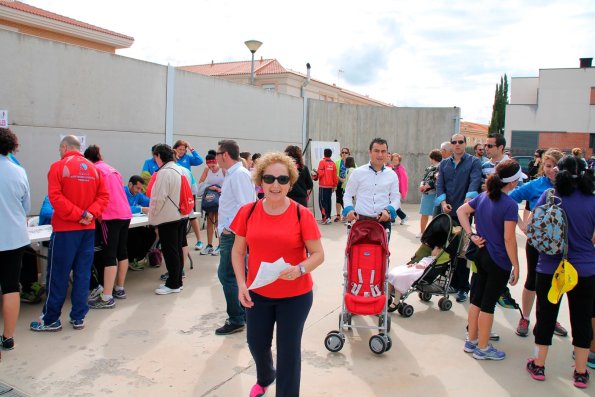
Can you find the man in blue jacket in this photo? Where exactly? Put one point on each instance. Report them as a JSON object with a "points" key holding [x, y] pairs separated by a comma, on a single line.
{"points": [[459, 180]]}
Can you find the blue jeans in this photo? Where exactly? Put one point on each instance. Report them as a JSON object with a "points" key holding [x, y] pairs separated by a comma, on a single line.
{"points": [[289, 314], [227, 277], [68, 251]]}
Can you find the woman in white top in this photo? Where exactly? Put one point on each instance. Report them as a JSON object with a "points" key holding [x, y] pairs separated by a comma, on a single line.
{"points": [[212, 177]]}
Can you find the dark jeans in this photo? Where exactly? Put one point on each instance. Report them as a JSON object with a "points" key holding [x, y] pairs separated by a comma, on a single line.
{"points": [[532, 257], [171, 247], [227, 277], [580, 306], [325, 202], [289, 314]]}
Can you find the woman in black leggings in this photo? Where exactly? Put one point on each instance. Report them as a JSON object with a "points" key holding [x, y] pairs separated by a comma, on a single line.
{"points": [[574, 186]]}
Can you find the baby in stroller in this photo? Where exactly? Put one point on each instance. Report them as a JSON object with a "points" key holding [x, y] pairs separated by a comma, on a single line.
{"points": [[402, 277]]}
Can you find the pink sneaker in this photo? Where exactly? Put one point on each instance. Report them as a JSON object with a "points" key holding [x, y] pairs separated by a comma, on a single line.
{"points": [[258, 391]]}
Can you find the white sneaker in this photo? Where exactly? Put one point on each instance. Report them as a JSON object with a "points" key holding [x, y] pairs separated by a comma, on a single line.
{"points": [[418, 235], [199, 245], [95, 293], [216, 251], [328, 221], [404, 220], [163, 285], [207, 250], [163, 290]]}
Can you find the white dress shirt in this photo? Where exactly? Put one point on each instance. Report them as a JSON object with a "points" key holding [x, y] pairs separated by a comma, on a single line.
{"points": [[374, 191], [15, 203], [236, 191]]}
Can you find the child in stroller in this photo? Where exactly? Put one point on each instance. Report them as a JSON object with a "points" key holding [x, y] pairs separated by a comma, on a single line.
{"points": [[401, 278]]}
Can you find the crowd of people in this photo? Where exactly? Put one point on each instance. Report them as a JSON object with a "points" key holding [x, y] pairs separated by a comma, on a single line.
{"points": [[252, 197]]}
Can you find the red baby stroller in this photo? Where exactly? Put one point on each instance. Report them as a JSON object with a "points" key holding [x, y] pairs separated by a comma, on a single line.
{"points": [[365, 287]]}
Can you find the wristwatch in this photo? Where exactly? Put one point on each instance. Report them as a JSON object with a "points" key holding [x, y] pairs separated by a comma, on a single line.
{"points": [[302, 269]]}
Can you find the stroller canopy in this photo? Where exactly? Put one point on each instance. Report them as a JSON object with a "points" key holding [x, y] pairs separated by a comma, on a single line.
{"points": [[367, 232]]}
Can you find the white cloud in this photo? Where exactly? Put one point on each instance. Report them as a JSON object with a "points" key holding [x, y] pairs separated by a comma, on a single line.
{"points": [[408, 53]]}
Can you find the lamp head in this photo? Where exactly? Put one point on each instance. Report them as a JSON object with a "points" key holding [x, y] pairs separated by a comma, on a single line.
{"points": [[253, 45]]}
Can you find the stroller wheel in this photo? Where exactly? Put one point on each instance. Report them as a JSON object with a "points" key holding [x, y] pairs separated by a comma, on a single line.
{"points": [[407, 310], [389, 341], [445, 304], [334, 341], [425, 296], [378, 344]]}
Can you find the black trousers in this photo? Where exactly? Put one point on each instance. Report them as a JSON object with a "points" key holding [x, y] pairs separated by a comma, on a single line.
{"points": [[171, 247]]}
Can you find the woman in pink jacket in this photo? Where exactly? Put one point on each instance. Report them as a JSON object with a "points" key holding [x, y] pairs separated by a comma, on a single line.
{"points": [[403, 180], [112, 230]]}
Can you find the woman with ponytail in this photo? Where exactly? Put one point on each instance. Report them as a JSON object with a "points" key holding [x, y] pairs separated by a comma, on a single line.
{"points": [[497, 261], [574, 186]]}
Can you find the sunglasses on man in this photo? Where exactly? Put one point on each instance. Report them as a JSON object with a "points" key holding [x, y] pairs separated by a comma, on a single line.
{"points": [[460, 142]]}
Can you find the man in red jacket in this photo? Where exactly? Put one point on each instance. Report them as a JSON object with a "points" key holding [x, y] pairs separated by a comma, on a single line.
{"points": [[79, 196], [327, 183]]}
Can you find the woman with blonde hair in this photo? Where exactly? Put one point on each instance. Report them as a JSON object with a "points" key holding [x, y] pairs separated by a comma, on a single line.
{"points": [[285, 301]]}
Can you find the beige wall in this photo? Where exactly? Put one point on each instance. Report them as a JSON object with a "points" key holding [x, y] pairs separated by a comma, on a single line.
{"points": [[52, 89]]}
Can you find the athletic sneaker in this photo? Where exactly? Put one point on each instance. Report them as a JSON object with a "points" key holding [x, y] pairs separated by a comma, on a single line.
{"points": [[523, 328], [560, 330], [229, 328], [163, 290], [7, 343], [581, 380], [536, 372], [461, 296], [136, 266], [119, 294], [34, 295], [39, 326], [77, 324], [404, 220], [216, 251], [199, 245], [258, 390], [470, 346], [99, 303], [207, 250], [96, 293], [163, 285], [490, 354]]}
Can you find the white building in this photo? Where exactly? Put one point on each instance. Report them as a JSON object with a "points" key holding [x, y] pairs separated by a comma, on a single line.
{"points": [[556, 109]]}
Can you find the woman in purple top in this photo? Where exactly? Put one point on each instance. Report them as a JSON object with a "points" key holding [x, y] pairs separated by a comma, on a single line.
{"points": [[497, 261], [574, 185]]}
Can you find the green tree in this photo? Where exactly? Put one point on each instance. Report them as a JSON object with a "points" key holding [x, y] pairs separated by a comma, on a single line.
{"points": [[499, 107]]}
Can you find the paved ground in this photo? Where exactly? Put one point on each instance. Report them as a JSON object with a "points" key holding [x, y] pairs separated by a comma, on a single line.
{"points": [[153, 345]]}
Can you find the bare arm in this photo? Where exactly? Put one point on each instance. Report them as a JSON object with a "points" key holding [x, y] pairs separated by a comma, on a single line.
{"points": [[238, 255], [511, 249], [312, 262]]}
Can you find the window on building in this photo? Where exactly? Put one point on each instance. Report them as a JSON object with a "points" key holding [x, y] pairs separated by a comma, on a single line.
{"points": [[592, 102], [269, 87]]}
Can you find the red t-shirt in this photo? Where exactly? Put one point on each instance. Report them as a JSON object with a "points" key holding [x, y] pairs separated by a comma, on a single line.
{"points": [[270, 237]]}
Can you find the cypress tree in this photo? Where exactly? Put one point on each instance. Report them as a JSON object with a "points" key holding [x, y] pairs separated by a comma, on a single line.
{"points": [[499, 107]]}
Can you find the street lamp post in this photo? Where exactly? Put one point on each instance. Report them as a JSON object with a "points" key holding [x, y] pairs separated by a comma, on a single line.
{"points": [[253, 46]]}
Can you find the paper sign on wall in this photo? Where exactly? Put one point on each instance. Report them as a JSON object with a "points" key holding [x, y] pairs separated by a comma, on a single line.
{"points": [[3, 118]]}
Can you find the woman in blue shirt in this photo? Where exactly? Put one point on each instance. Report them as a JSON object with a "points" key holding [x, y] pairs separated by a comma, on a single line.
{"points": [[531, 192], [184, 158], [15, 203], [497, 261]]}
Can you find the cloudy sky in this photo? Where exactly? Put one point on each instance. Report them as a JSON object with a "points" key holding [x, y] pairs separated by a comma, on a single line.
{"points": [[407, 53]]}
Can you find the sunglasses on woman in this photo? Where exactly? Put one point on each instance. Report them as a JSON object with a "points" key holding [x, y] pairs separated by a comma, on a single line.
{"points": [[270, 179]]}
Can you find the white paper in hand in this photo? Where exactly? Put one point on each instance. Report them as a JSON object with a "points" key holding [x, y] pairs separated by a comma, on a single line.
{"points": [[268, 273]]}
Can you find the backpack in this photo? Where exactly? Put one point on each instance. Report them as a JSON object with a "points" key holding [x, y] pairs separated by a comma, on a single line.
{"points": [[547, 231], [155, 257], [210, 200], [186, 205]]}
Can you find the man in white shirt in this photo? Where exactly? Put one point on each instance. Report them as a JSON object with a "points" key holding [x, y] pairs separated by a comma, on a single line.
{"points": [[375, 187], [236, 191]]}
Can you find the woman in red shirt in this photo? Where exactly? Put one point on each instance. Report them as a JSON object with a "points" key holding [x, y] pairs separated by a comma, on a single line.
{"points": [[276, 228]]}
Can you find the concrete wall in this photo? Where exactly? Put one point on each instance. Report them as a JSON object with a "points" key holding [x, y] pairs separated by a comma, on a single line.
{"points": [[412, 132], [52, 89], [525, 90]]}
